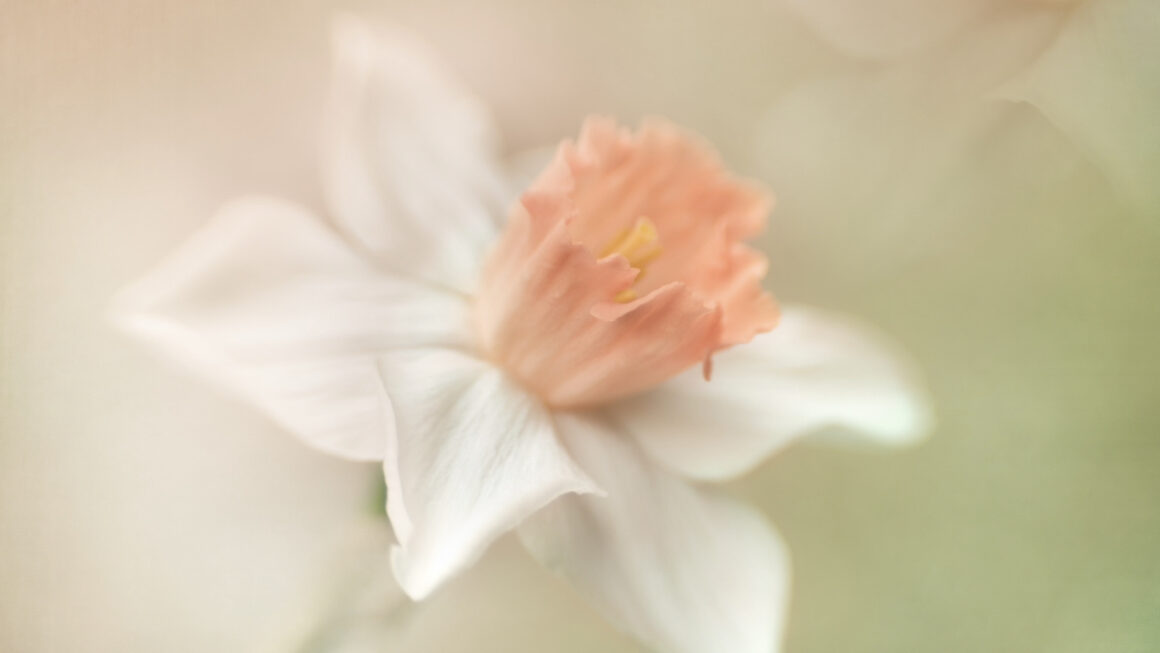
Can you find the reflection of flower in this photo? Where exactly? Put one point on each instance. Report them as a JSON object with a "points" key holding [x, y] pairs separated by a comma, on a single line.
{"points": [[934, 89], [544, 389]]}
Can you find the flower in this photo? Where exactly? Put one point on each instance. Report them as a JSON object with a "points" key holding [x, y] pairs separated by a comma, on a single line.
{"points": [[896, 29], [586, 300], [540, 376], [933, 88]]}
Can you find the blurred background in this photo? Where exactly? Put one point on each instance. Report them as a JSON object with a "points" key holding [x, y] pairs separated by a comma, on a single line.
{"points": [[980, 178]]}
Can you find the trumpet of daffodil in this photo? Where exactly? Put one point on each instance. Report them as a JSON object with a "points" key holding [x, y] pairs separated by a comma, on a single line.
{"points": [[576, 365]]}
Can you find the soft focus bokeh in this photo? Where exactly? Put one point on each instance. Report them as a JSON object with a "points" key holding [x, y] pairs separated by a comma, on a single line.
{"points": [[980, 179]]}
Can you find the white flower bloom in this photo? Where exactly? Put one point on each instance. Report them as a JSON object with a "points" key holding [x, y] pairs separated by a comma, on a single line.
{"points": [[1098, 81], [530, 377], [947, 75]]}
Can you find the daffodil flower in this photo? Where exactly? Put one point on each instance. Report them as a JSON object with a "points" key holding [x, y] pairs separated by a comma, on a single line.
{"points": [[951, 78], [572, 367]]}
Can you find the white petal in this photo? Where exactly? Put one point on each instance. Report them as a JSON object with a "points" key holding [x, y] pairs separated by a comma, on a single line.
{"points": [[683, 570], [882, 29], [472, 457], [1099, 82], [813, 371], [409, 158], [270, 303], [892, 155]]}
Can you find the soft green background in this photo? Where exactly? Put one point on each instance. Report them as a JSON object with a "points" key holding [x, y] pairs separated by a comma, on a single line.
{"points": [[143, 511]]}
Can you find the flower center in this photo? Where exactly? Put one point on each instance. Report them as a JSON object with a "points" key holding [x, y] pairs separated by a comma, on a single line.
{"points": [[640, 245], [576, 301]]}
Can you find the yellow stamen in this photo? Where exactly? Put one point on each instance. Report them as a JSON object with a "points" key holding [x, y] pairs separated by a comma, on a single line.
{"points": [[625, 296], [639, 245]]}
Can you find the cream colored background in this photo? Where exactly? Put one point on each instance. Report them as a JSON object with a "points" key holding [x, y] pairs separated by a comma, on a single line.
{"points": [[144, 511]]}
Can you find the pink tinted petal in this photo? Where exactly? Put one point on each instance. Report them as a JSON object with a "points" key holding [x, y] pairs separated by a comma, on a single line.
{"points": [[732, 273], [670, 177], [579, 316], [548, 312]]}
